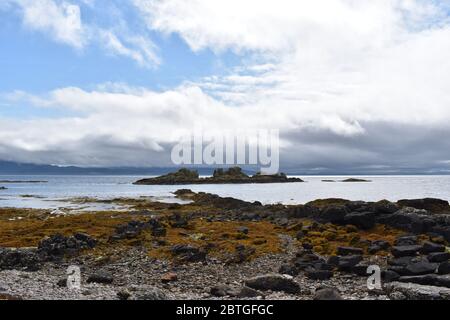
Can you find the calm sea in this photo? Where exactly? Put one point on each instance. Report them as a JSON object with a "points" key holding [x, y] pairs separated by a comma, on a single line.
{"points": [[47, 195]]}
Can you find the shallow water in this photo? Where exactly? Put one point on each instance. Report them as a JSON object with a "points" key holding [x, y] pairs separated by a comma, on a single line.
{"points": [[60, 188]]}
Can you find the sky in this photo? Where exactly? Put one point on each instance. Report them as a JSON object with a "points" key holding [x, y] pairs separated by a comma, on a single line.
{"points": [[356, 85]]}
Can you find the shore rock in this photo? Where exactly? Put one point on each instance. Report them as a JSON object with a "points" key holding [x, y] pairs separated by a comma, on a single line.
{"points": [[429, 204], [405, 251], [429, 280], [412, 291], [19, 259], [327, 294], [102, 277], [57, 246], [274, 282]]}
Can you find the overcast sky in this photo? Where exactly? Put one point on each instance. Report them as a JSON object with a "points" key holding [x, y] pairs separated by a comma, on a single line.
{"points": [[358, 85]]}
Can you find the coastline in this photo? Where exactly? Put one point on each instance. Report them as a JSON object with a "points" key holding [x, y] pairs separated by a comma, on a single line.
{"points": [[213, 247]]}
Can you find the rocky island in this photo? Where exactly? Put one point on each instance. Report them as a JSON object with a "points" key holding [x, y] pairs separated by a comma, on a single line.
{"points": [[225, 248], [220, 176]]}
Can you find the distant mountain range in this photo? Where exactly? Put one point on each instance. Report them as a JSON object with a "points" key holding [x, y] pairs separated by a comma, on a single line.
{"points": [[14, 168]]}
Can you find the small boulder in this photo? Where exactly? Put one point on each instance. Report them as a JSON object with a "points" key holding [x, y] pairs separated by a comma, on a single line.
{"points": [[444, 268], [420, 268], [102, 277], [274, 282], [405, 251], [364, 220], [430, 247], [314, 274], [169, 277], [327, 294], [438, 257]]}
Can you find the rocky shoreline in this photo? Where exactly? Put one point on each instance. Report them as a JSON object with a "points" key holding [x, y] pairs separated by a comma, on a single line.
{"points": [[220, 176], [225, 248]]}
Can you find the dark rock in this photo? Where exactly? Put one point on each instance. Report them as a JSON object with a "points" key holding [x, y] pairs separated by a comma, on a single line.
{"points": [[346, 251], [333, 214], [62, 283], [123, 295], [20, 259], [385, 207], [405, 251], [327, 294], [429, 204], [147, 293], [438, 257], [364, 220], [220, 291], [420, 268], [57, 246], [246, 292], [188, 253], [288, 269], [346, 263], [389, 275], [102, 277], [300, 235], [429, 280], [403, 261], [377, 246], [178, 221], [430, 247], [406, 241], [444, 268], [274, 282], [360, 269], [242, 254], [314, 274]]}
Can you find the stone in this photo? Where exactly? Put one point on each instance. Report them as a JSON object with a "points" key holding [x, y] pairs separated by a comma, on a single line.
{"points": [[220, 291], [102, 277], [57, 246], [346, 263], [364, 220], [347, 251], [438, 257], [246, 292], [405, 251], [377, 246], [429, 204], [430, 247], [123, 295], [147, 293], [420, 268], [20, 259], [429, 279], [327, 294], [333, 214], [314, 274], [169, 277], [289, 269], [444, 268], [389, 275], [360, 269], [188, 253], [406, 241], [412, 291], [273, 282]]}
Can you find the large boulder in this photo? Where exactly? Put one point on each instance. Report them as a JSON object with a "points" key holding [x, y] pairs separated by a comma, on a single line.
{"points": [[429, 280], [410, 291], [405, 251], [57, 246], [273, 282], [429, 204], [19, 259], [333, 214], [364, 220]]}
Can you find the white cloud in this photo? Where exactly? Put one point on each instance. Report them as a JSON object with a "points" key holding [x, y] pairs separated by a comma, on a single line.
{"points": [[62, 21]]}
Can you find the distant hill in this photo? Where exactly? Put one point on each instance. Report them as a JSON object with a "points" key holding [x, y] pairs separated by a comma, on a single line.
{"points": [[14, 168]]}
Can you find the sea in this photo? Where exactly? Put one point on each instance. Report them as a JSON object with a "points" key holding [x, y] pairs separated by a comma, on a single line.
{"points": [[58, 191]]}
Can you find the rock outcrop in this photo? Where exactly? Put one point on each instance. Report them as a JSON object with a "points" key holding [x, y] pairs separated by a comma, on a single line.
{"points": [[220, 176]]}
